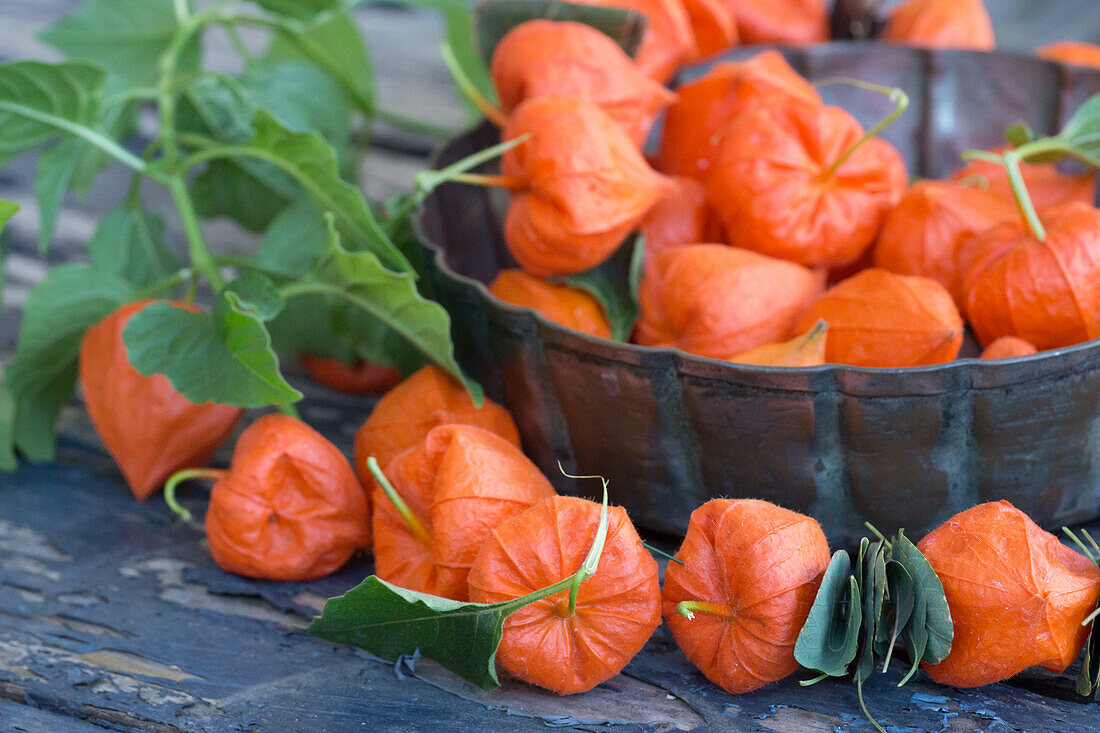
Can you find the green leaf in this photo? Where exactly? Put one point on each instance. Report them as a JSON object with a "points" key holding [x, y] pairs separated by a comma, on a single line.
{"points": [[391, 622], [126, 37], [1019, 134], [42, 376], [928, 594], [129, 242], [873, 588], [257, 294], [7, 211], [615, 284], [1082, 132], [250, 193], [40, 101], [294, 239], [224, 356], [829, 639], [494, 18], [896, 612], [7, 427], [392, 298], [298, 9]]}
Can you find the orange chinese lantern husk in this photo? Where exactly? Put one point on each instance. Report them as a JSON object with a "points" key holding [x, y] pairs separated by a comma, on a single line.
{"points": [[781, 21], [542, 57], [712, 24], [757, 568], [941, 24], [427, 399], [924, 234], [1045, 292], [678, 218], [719, 301], [1017, 595], [773, 188], [881, 319], [149, 428], [697, 121], [1078, 53], [559, 303], [289, 508], [1046, 185], [460, 482], [668, 41], [807, 349], [617, 609], [1007, 347], [587, 186], [362, 377]]}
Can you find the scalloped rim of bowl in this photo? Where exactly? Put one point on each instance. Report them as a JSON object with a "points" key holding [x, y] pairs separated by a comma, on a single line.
{"points": [[952, 376]]}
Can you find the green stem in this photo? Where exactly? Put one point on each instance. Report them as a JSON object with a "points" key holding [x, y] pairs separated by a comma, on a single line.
{"points": [[176, 278], [415, 525], [1011, 162], [863, 705], [662, 553], [897, 96], [238, 45], [201, 259], [721, 610], [814, 680], [487, 108], [187, 474], [247, 263], [183, 12], [102, 142], [289, 410]]}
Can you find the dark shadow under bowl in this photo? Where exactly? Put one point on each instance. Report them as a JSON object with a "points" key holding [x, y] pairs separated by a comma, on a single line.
{"points": [[895, 447]]}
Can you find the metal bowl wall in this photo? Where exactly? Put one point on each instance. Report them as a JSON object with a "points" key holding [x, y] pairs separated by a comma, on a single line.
{"points": [[896, 447]]}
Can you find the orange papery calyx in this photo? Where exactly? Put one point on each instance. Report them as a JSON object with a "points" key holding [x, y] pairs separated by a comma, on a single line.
{"points": [[941, 24]]}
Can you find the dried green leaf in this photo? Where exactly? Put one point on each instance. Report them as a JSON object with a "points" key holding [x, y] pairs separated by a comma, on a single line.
{"points": [[615, 284], [829, 639]]}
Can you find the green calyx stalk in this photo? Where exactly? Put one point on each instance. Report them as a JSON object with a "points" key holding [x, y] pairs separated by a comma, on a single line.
{"points": [[187, 474], [1010, 161], [687, 609], [897, 96], [462, 80], [415, 525]]}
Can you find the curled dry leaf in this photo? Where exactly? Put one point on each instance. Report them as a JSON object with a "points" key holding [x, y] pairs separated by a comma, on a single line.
{"points": [[560, 303], [749, 575], [542, 57], [668, 41], [362, 377], [458, 484], [941, 24], [586, 186], [695, 124], [1077, 53], [925, 233], [406, 414], [616, 610], [1044, 292], [149, 428], [880, 319], [777, 189], [807, 349], [719, 301], [1017, 595], [289, 508], [680, 217], [1007, 347], [781, 21], [1046, 185]]}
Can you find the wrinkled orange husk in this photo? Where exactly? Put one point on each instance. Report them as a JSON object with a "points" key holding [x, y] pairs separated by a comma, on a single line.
{"points": [[149, 428], [924, 234], [769, 187], [1017, 595], [1046, 185], [427, 399], [941, 24], [290, 507], [460, 481], [807, 349], [1077, 53], [668, 42], [719, 301], [542, 57], [588, 186], [562, 304], [781, 21], [1047, 293], [617, 609], [767, 563], [712, 24], [695, 124], [680, 217], [1008, 347], [880, 319], [363, 377]]}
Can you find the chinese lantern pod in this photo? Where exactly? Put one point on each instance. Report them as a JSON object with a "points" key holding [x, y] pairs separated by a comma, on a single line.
{"points": [[560, 303], [941, 24]]}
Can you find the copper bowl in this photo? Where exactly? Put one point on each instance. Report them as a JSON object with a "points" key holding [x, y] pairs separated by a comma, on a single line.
{"points": [[895, 447]]}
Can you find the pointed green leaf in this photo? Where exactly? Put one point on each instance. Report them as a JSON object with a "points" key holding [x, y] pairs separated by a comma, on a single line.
{"points": [[7, 427], [896, 611], [1082, 132], [224, 356], [494, 18], [129, 242], [829, 639], [126, 37], [615, 285], [257, 294], [42, 376], [39, 102], [873, 588], [7, 211], [929, 594]]}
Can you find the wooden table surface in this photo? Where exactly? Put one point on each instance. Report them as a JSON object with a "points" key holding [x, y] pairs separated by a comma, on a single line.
{"points": [[113, 615]]}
